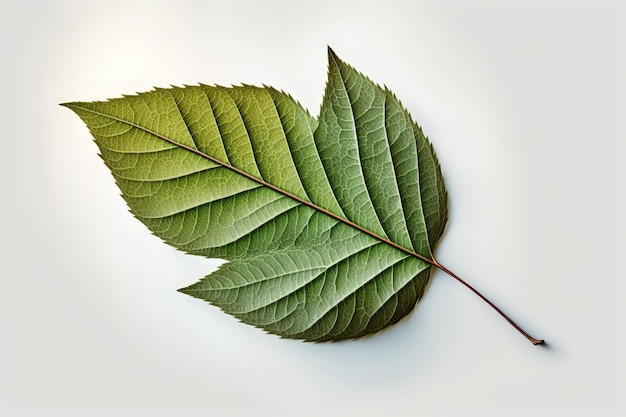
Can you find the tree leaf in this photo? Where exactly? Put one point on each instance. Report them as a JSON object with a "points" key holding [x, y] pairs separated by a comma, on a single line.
{"points": [[329, 225]]}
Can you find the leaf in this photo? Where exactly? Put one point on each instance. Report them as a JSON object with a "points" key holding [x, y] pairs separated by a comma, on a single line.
{"points": [[329, 225]]}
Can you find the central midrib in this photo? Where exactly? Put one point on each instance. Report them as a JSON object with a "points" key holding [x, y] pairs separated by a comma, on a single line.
{"points": [[264, 183]]}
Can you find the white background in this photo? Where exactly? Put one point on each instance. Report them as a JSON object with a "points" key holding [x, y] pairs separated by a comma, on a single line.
{"points": [[524, 102]]}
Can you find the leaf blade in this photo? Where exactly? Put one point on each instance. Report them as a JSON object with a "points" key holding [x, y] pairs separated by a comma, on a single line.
{"points": [[268, 188]]}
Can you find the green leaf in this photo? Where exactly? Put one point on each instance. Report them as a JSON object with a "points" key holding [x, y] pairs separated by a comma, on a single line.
{"points": [[329, 225]]}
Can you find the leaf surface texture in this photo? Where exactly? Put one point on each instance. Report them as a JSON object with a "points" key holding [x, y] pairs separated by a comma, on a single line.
{"points": [[322, 221]]}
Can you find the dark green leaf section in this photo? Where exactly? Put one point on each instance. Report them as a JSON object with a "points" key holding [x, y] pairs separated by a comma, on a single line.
{"points": [[372, 152], [247, 175]]}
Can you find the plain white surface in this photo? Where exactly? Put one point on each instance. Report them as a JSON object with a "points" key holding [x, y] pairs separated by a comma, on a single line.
{"points": [[524, 102]]}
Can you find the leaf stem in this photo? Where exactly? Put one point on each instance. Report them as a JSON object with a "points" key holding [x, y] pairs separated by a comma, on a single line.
{"points": [[492, 305]]}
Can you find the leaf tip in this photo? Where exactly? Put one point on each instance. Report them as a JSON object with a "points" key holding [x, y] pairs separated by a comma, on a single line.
{"points": [[332, 56], [185, 290], [74, 106]]}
